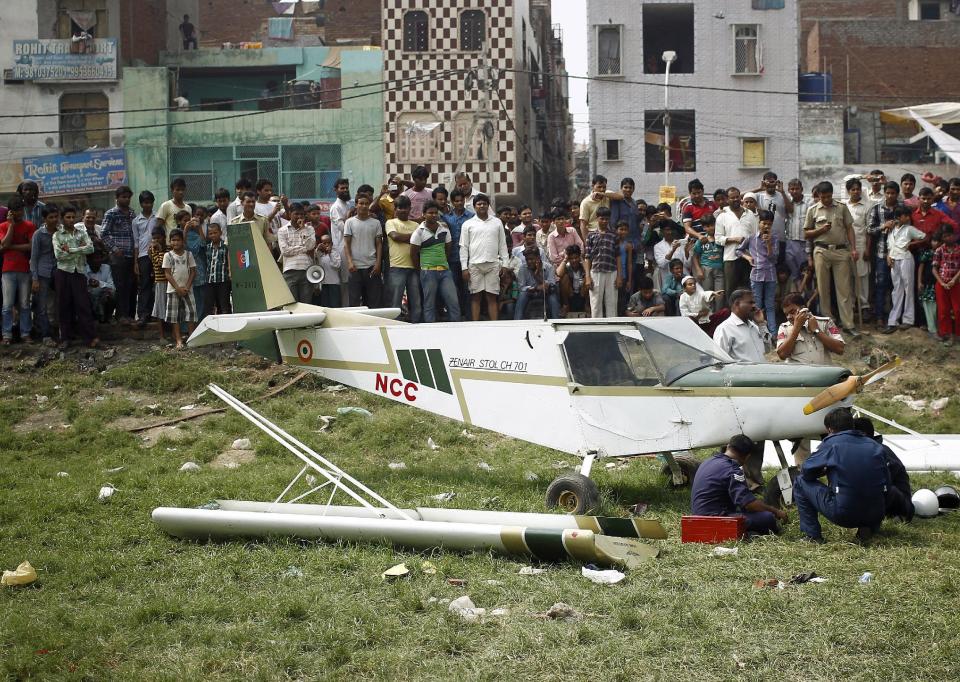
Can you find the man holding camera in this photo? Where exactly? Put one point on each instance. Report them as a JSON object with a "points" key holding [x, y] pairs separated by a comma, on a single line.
{"points": [[806, 339]]}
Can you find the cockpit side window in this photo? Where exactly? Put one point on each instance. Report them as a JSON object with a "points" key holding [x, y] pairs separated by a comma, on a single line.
{"points": [[608, 359]]}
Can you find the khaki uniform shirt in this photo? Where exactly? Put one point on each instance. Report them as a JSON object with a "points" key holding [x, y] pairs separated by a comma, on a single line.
{"points": [[838, 215], [808, 349]]}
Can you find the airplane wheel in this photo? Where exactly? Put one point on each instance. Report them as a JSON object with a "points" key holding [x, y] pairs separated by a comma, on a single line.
{"points": [[771, 492], [573, 494], [688, 467]]}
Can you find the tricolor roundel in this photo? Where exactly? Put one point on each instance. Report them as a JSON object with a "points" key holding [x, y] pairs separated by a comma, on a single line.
{"points": [[304, 350]]}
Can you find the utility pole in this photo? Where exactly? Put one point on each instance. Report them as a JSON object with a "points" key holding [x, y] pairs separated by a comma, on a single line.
{"points": [[486, 79], [669, 57]]}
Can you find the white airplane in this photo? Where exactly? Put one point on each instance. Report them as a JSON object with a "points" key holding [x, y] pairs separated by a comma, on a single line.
{"points": [[600, 388]]}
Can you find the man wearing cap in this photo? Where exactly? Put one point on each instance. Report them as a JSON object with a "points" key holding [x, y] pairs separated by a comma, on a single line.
{"points": [[858, 478], [720, 489]]}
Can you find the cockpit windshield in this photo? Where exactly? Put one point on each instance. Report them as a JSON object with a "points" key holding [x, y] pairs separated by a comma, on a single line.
{"points": [[675, 359], [609, 357]]}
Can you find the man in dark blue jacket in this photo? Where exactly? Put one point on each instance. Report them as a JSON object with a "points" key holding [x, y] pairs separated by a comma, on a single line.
{"points": [[720, 489], [899, 502], [858, 478]]}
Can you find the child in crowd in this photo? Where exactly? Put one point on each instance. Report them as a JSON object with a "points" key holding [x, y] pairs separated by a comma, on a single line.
{"points": [[71, 246], [16, 235], [509, 293], [600, 261], [761, 251], [786, 285], [180, 270], [647, 302], [195, 241], [429, 251], [927, 283], [102, 289], [217, 292], [708, 258], [695, 303], [43, 263], [624, 266], [328, 258], [946, 270], [320, 225], [574, 295], [673, 287], [158, 249], [903, 237]]}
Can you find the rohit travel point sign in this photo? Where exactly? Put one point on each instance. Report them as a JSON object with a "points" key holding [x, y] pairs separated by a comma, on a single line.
{"points": [[100, 170], [65, 60]]}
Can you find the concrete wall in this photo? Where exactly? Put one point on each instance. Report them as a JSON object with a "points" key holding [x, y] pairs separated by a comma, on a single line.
{"points": [[821, 135], [357, 126], [723, 118]]}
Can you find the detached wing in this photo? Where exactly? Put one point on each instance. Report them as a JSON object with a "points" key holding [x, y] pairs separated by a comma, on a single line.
{"points": [[245, 326]]}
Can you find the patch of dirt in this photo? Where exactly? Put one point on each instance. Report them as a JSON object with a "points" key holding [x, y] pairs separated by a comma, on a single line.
{"points": [[231, 459], [150, 437], [48, 420]]}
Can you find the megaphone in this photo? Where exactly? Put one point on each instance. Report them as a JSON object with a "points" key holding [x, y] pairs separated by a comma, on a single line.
{"points": [[315, 274]]}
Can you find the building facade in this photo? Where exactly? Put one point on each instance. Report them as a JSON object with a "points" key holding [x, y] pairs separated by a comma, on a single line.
{"points": [[439, 114], [732, 103]]}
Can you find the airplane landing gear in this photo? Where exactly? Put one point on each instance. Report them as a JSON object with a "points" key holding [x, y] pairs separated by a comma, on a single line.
{"points": [[680, 469], [573, 493]]}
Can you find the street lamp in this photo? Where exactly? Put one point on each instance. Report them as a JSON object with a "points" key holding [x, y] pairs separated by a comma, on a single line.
{"points": [[669, 57]]}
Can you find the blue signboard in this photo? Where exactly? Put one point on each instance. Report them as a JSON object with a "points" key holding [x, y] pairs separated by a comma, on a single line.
{"points": [[100, 170], [65, 60]]}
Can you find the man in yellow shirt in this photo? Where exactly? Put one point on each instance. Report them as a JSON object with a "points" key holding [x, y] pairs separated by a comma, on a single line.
{"points": [[402, 275]]}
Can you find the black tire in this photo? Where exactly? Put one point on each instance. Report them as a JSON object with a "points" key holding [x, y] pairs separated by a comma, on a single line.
{"points": [[771, 492], [573, 493], [688, 467]]}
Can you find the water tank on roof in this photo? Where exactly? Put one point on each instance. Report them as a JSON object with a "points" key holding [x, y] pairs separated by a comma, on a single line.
{"points": [[815, 87]]}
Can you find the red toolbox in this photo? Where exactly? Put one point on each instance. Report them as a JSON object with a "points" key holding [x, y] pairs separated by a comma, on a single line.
{"points": [[712, 529]]}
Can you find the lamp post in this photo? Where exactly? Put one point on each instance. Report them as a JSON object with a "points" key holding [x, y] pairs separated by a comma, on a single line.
{"points": [[669, 57]]}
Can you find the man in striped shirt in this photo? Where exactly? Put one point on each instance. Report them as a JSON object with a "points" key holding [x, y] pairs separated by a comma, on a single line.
{"points": [[116, 231], [297, 242]]}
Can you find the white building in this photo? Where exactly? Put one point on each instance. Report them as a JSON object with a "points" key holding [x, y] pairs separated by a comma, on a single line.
{"points": [[730, 120]]}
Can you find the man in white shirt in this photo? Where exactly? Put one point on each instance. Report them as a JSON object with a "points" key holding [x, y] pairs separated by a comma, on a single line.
{"points": [[339, 212], [743, 335], [483, 256], [269, 209], [363, 248], [235, 207], [730, 233], [860, 210]]}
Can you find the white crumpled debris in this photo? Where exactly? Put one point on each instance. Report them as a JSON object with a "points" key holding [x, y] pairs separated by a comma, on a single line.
{"points": [[311, 480], [241, 444], [334, 388], [608, 577], [443, 497], [432, 444], [106, 492], [725, 551], [916, 405], [530, 476], [938, 404], [484, 466], [41, 399], [530, 570], [190, 466], [466, 434], [325, 421], [500, 613], [63, 474], [397, 465], [466, 609], [185, 408], [114, 470]]}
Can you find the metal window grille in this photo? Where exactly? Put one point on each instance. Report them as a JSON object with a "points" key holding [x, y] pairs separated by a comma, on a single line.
{"points": [[747, 48], [301, 172], [415, 31], [472, 30], [608, 51]]}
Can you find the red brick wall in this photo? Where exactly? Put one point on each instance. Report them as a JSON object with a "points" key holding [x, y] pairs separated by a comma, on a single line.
{"points": [[235, 21], [142, 35]]}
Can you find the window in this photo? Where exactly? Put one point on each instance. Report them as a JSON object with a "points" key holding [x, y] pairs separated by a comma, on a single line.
{"points": [[930, 11], [419, 136], [608, 358], [754, 153], [746, 49], [608, 51], [416, 35], [683, 147], [667, 27], [612, 149], [472, 30], [462, 125], [84, 121], [767, 4], [927, 10], [75, 17], [303, 172]]}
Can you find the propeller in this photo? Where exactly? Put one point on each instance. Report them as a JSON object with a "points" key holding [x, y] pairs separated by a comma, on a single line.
{"points": [[849, 386]]}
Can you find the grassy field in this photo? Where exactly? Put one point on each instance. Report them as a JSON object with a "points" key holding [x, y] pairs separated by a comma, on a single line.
{"points": [[117, 599]]}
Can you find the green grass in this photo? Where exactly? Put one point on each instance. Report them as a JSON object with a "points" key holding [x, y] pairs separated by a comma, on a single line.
{"points": [[118, 599]]}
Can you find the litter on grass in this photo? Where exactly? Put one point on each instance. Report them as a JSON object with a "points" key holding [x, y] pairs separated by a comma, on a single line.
{"points": [[114, 470], [354, 410], [190, 466], [443, 497], [769, 582], [63, 474], [607, 577], [292, 572], [457, 582], [530, 476], [186, 408], [432, 444], [325, 422], [810, 577], [466, 434], [561, 611], [24, 574], [530, 570], [484, 466], [397, 465], [334, 388], [106, 492], [41, 399], [725, 551], [466, 609], [394, 572], [428, 568], [494, 583], [241, 444], [866, 578]]}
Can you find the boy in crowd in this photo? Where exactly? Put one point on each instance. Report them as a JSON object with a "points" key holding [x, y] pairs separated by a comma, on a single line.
{"points": [[901, 239], [908, 183], [600, 262], [219, 217], [297, 243], [927, 283], [946, 270], [328, 258], [217, 292], [157, 251], [574, 294], [196, 243], [536, 279], [363, 248], [167, 213], [43, 263], [458, 215], [761, 250], [430, 246], [101, 286], [16, 234], [624, 266], [143, 225], [71, 246], [403, 275], [647, 302], [180, 270], [562, 238], [708, 258], [695, 303], [696, 209], [234, 208], [417, 191], [673, 287]]}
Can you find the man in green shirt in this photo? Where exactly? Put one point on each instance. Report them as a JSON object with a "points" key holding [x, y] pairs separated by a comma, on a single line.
{"points": [[70, 248], [429, 249]]}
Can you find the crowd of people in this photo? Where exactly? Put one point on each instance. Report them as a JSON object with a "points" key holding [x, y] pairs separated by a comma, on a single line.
{"points": [[744, 265]]}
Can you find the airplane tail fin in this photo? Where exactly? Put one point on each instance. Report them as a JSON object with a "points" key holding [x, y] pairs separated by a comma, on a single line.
{"points": [[257, 284]]}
